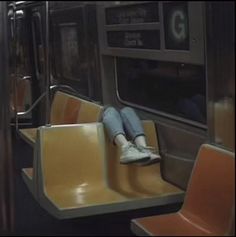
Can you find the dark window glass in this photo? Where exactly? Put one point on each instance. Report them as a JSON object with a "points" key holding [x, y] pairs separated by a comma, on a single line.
{"points": [[37, 27], [173, 88], [22, 53], [133, 14], [70, 47], [176, 25], [69, 51], [38, 42], [142, 39]]}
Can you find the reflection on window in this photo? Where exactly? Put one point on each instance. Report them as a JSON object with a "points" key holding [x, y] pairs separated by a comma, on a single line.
{"points": [[21, 48], [70, 51], [173, 88], [224, 118], [38, 43]]}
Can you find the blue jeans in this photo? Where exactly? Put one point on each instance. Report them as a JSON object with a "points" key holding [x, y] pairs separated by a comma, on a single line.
{"points": [[119, 123]]}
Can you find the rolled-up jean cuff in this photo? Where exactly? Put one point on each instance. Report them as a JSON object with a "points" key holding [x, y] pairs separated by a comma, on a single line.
{"points": [[137, 135], [115, 135]]}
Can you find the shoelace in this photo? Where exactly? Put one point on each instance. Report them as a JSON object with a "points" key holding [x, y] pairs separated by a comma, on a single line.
{"points": [[149, 148], [130, 145]]}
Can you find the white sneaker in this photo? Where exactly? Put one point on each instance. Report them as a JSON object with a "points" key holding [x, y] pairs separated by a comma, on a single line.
{"points": [[154, 158], [131, 154]]}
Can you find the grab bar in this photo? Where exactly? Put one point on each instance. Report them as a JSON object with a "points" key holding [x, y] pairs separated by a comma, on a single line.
{"points": [[44, 94]]}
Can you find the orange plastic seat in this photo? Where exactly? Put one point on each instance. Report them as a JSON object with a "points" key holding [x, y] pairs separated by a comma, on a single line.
{"points": [[66, 109], [208, 207]]}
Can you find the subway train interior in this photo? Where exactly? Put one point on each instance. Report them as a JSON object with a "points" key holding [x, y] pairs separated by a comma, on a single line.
{"points": [[62, 63]]}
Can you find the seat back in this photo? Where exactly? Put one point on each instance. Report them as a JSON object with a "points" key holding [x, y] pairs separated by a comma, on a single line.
{"points": [[89, 112], [134, 180], [211, 190], [71, 155], [68, 109]]}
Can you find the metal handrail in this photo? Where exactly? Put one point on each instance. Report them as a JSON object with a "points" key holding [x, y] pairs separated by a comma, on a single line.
{"points": [[65, 87], [44, 94], [32, 106]]}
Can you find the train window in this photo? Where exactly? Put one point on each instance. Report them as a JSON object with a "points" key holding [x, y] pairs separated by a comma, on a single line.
{"points": [[172, 89], [176, 25], [22, 53], [69, 50], [69, 46]]}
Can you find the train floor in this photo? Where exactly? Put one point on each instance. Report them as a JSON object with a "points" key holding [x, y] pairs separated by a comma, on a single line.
{"points": [[32, 219]]}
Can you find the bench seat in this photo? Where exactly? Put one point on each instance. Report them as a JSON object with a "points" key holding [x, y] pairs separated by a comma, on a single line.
{"points": [[83, 177], [66, 109], [29, 135]]}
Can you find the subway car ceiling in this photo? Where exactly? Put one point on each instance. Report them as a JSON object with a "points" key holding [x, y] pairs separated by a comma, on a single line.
{"points": [[160, 57]]}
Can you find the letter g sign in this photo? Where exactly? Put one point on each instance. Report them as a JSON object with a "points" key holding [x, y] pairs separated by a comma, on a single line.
{"points": [[178, 25]]}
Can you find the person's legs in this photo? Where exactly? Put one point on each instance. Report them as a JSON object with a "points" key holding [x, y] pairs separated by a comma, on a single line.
{"points": [[113, 124], [134, 127], [132, 123]]}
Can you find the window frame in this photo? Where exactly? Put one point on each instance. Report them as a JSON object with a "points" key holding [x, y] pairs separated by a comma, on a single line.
{"points": [[155, 111]]}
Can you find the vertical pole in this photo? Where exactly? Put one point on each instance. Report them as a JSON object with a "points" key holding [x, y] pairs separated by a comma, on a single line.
{"points": [[47, 62], [15, 78], [6, 174]]}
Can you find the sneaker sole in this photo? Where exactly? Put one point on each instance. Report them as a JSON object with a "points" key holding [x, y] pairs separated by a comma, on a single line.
{"points": [[151, 162], [124, 162]]}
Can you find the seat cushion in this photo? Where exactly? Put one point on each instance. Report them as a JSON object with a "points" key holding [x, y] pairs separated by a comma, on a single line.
{"points": [[175, 224], [29, 135]]}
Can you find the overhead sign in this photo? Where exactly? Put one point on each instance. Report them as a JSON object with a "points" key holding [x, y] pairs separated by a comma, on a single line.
{"points": [[132, 14], [176, 25], [139, 39]]}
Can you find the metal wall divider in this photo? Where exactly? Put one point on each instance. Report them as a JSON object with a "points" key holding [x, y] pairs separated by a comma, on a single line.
{"points": [[6, 172]]}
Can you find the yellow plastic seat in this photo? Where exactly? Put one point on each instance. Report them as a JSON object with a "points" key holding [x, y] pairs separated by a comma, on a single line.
{"points": [[135, 180], [71, 173], [78, 177], [208, 207], [66, 109], [29, 135]]}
